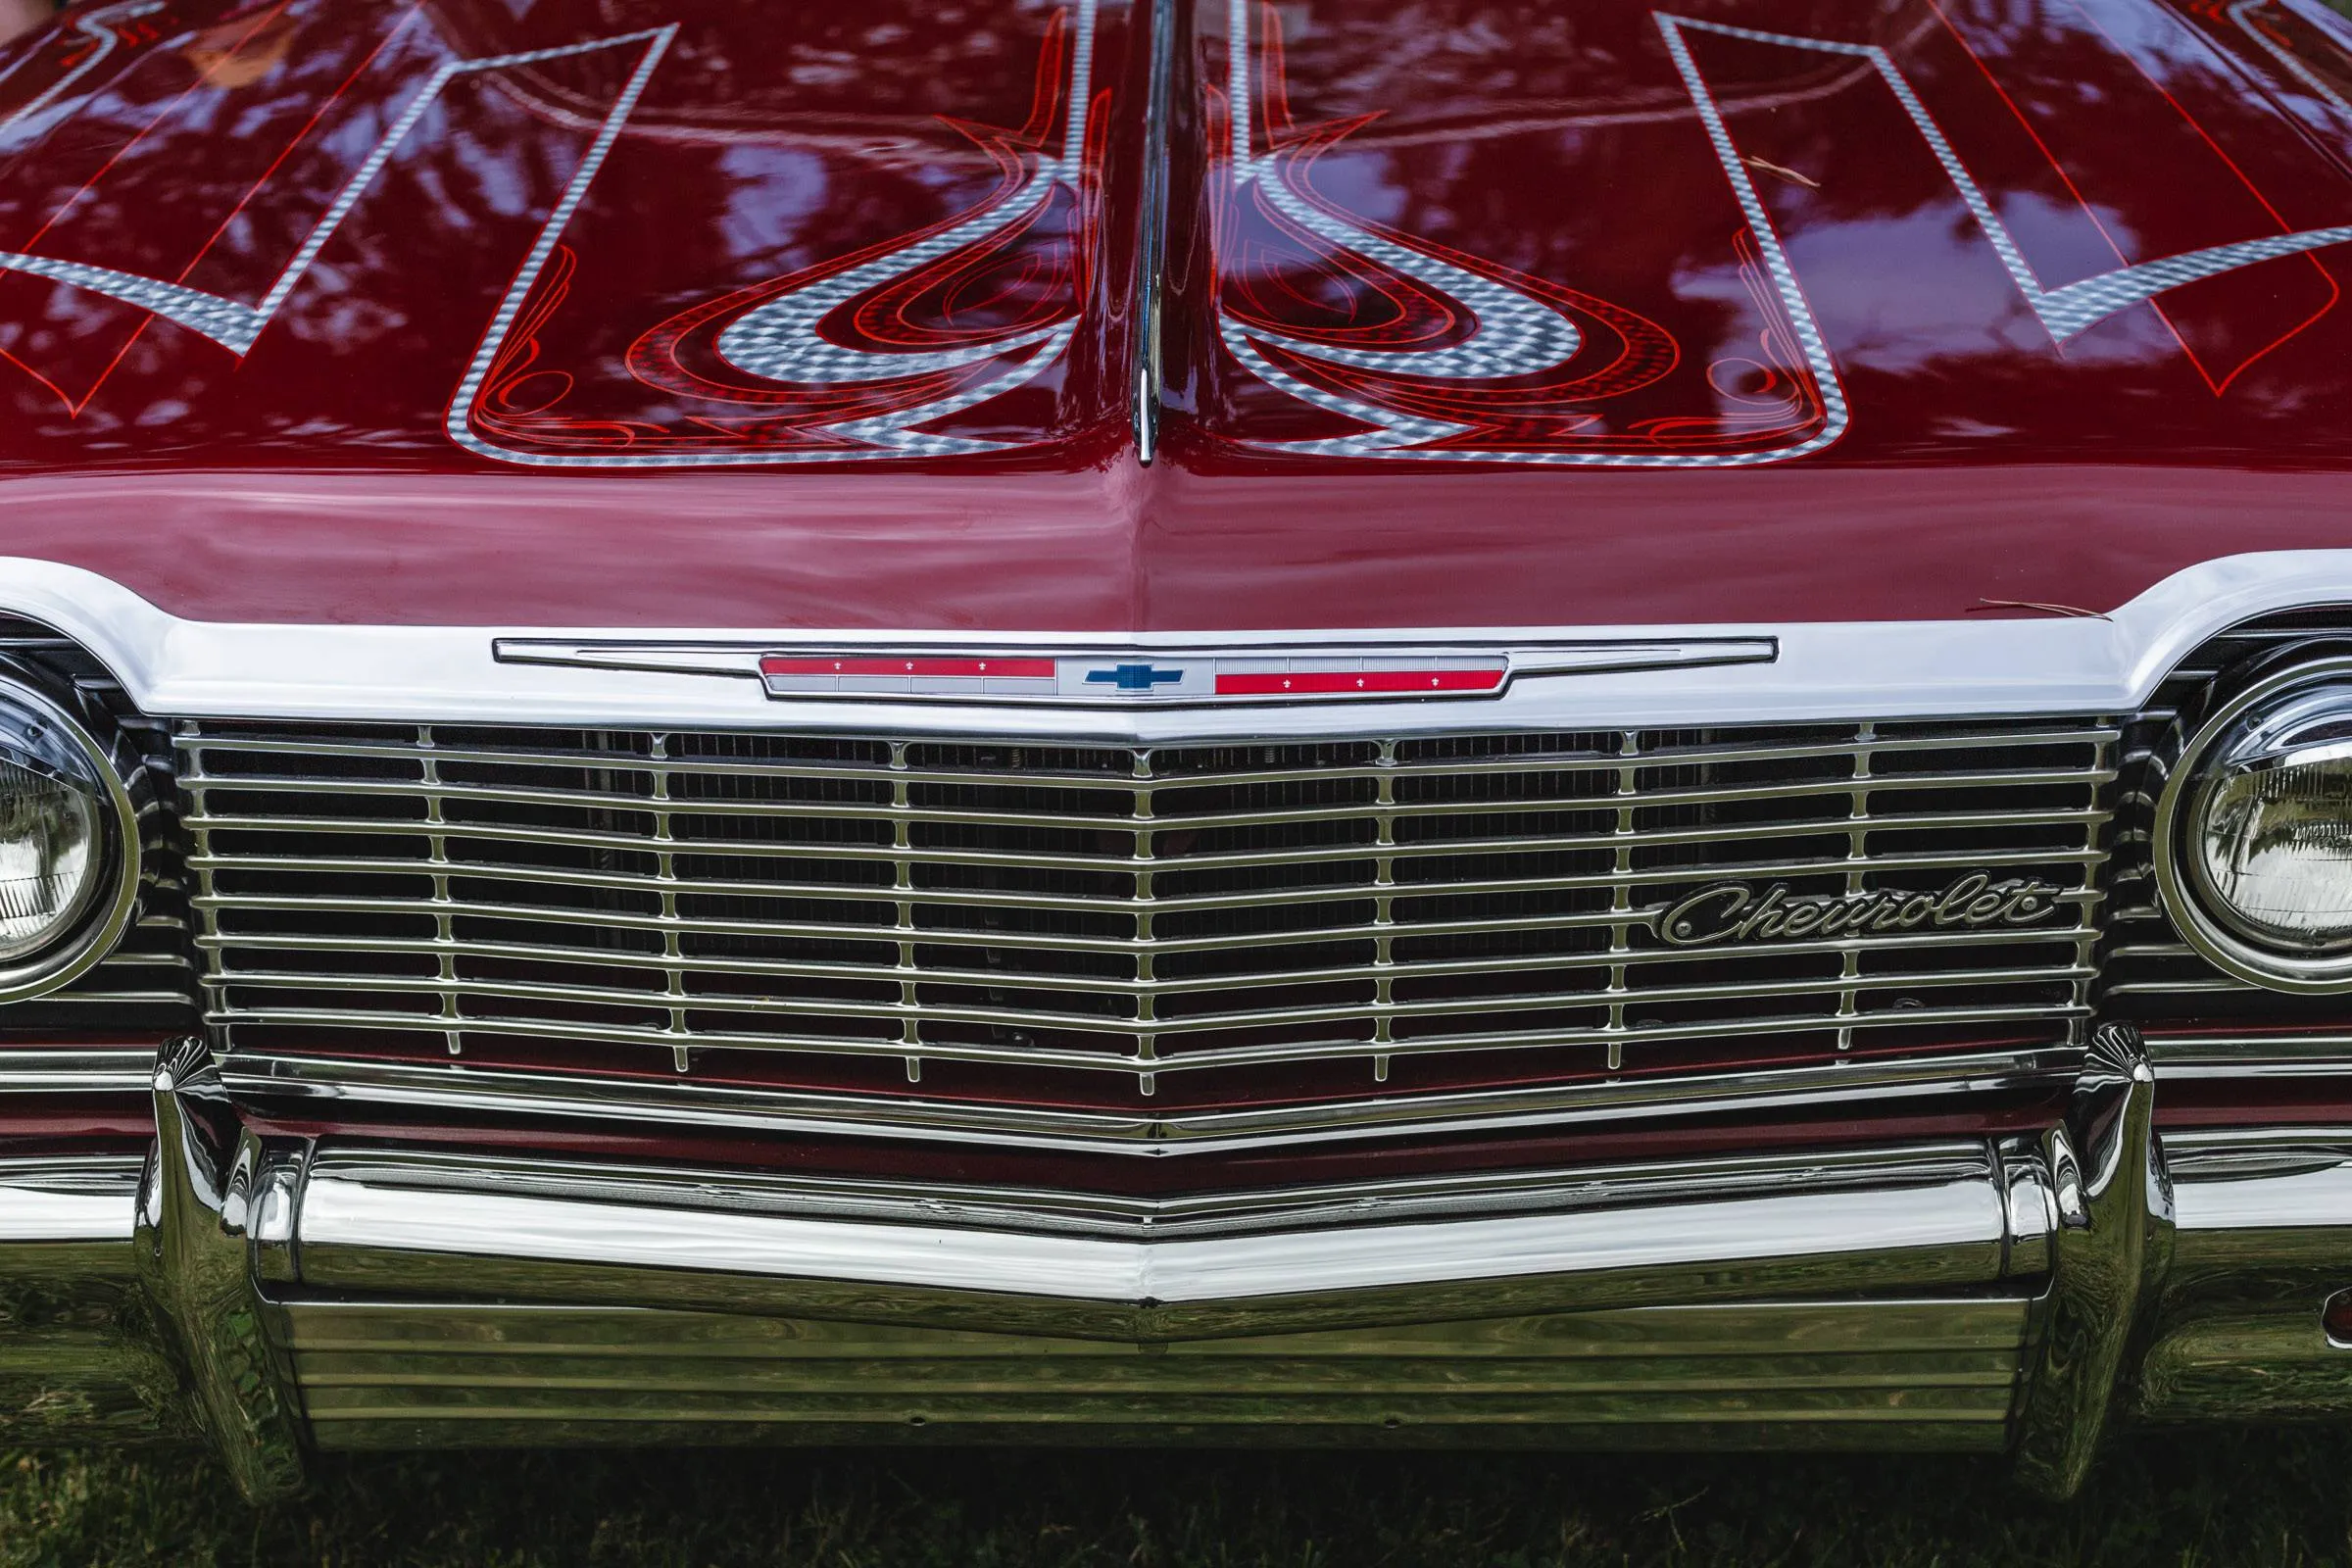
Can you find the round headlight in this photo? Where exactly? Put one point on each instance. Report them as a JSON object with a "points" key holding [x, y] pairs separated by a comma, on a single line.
{"points": [[69, 845], [2254, 831]]}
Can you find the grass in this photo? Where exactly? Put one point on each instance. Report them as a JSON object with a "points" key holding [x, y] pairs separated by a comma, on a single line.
{"points": [[2204, 1499]]}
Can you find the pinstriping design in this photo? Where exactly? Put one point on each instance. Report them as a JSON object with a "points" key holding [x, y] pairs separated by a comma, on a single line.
{"points": [[2302, 72], [1394, 434], [234, 324], [2070, 310], [2064, 312], [1516, 335], [780, 340], [776, 341], [99, 25]]}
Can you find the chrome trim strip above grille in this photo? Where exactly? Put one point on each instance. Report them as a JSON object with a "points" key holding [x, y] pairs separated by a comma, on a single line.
{"points": [[1850, 671]]}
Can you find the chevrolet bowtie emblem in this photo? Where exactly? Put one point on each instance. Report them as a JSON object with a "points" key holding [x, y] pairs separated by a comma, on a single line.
{"points": [[1011, 671], [1132, 677]]}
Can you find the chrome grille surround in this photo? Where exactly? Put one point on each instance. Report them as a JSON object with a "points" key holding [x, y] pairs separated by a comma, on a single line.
{"points": [[1116, 945]]}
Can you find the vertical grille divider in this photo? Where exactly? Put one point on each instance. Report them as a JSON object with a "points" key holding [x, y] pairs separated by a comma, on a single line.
{"points": [[1625, 785], [1858, 851], [1147, 1011], [911, 1028], [666, 873], [444, 925], [200, 843], [2095, 931], [1384, 911]]}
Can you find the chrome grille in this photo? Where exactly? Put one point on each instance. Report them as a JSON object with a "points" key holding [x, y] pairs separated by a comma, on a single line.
{"points": [[1021, 929]]}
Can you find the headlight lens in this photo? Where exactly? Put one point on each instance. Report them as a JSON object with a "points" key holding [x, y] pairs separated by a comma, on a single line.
{"points": [[2254, 831], [51, 853], [69, 858]]}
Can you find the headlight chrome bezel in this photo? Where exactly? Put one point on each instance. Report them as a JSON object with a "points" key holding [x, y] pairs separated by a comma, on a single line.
{"points": [[2210, 757], [39, 732]]}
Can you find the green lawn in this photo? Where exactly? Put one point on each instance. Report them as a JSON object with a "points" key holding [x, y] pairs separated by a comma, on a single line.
{"points": [[2208, 1499]]}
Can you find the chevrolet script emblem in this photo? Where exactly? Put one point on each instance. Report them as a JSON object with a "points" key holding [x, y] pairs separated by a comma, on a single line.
{"points": [[1729, 912]]}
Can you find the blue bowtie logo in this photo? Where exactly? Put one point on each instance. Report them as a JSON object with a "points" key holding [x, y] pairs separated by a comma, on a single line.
{"points": [[1132, 677]]}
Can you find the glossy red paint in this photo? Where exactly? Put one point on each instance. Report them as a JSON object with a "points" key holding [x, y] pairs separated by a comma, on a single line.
{"points": [[464, 410]]}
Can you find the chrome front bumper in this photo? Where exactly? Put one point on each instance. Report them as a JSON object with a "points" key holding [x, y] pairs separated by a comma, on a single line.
{"points": [[273, 1297]]}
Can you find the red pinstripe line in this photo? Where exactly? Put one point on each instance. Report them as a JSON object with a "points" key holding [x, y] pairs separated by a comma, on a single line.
{"points": [[287, 150], [73, 410], [121, 150], [44, 381], [2285, 227], [2072, 189]]}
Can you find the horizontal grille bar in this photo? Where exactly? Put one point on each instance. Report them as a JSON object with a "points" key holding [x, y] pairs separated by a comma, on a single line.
{"points": [[1163, 1029], [1269, 924], [880, 854], [1128, 1066], [329, 866], [784, 968], [1885, 746], [1135, 822]]}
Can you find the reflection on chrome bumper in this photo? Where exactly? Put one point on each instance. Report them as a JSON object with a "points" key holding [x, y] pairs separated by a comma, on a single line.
{"points": [[272, 1297]]}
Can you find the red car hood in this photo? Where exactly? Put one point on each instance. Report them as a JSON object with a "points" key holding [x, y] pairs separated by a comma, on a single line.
{"points": [[724, 314]]}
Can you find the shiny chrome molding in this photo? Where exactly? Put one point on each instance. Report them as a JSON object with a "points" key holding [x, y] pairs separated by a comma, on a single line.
{"points": [[1131, 1219], [76, 1069], [212, 1197], [261, 1076], [1940, 1209], [2112, 1240], [80, 1358], [1853, 670], [69, 1198], [1953, 1229], [2251, 1054], [1930, 1218], [2263, 1238], [273, 1295]]}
